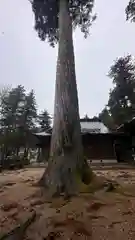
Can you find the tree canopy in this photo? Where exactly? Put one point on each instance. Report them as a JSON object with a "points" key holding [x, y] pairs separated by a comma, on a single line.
{"points": [[130, 11], [18, 119], [47, 13], [44, 120], [107, 119], [121, 103]]}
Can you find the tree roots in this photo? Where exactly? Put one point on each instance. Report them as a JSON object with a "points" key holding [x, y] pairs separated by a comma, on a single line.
{"points": [[19, 232]]}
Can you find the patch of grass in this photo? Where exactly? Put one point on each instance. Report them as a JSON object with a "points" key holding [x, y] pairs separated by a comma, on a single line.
{"points": [[96, 184]]}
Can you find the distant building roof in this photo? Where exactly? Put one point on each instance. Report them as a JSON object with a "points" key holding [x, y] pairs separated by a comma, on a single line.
{"points": [[87, 119], [93, 126], [88, 125]]}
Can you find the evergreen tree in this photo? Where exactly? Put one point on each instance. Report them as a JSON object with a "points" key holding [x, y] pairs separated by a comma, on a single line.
{"points": [[44, 121], [27, 122], [4, 91], [107, 119], [130, 11], [122, 98], [10, 107], [28, 112], [18, 114], [54, 21]]}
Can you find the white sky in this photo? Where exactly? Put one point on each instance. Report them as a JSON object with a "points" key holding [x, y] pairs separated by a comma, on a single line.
{"points": [[25, 60]]}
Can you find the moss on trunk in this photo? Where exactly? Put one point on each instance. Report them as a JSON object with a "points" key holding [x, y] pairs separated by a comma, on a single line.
{"points": [[64, 177]]}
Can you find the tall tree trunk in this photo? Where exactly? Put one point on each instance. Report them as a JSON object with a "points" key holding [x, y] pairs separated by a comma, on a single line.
{"points": [[66, 154]]}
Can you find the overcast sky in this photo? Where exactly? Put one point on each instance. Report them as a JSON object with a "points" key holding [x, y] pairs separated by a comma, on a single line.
{"points": [[25, 60]]}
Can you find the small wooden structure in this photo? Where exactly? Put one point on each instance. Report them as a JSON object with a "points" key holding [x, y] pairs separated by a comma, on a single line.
{"points": [[101, 146]]}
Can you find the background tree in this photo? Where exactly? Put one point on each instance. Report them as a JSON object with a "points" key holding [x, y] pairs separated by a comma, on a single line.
{"points": [[28, 111], [44, 121], [8, 120], [107, 119], [27, 121], [4, 90], [130, 11], [86, 116], [53, 22], [17, 116], [122, 98]]}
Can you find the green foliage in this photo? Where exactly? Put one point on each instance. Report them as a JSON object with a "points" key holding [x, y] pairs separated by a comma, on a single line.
{"points": [[28, 112], [18, 116], [130, 11], [121, 103], [18, 111], [4, 90], [122, 98], [107, 119], [46, 17], [44, 121], [10, 107]]}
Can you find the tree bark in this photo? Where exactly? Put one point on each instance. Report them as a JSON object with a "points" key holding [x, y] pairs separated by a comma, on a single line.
{"points": [[66, 153]]}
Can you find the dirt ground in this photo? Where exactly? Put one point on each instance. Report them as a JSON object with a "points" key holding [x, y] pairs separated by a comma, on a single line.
{"points": [[99, 215]]}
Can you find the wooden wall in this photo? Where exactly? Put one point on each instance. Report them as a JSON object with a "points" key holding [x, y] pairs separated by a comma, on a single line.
{"points": [[96, 146]]}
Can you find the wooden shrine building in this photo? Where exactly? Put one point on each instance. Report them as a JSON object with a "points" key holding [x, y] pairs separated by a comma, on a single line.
{"points": [[97, 146]]}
